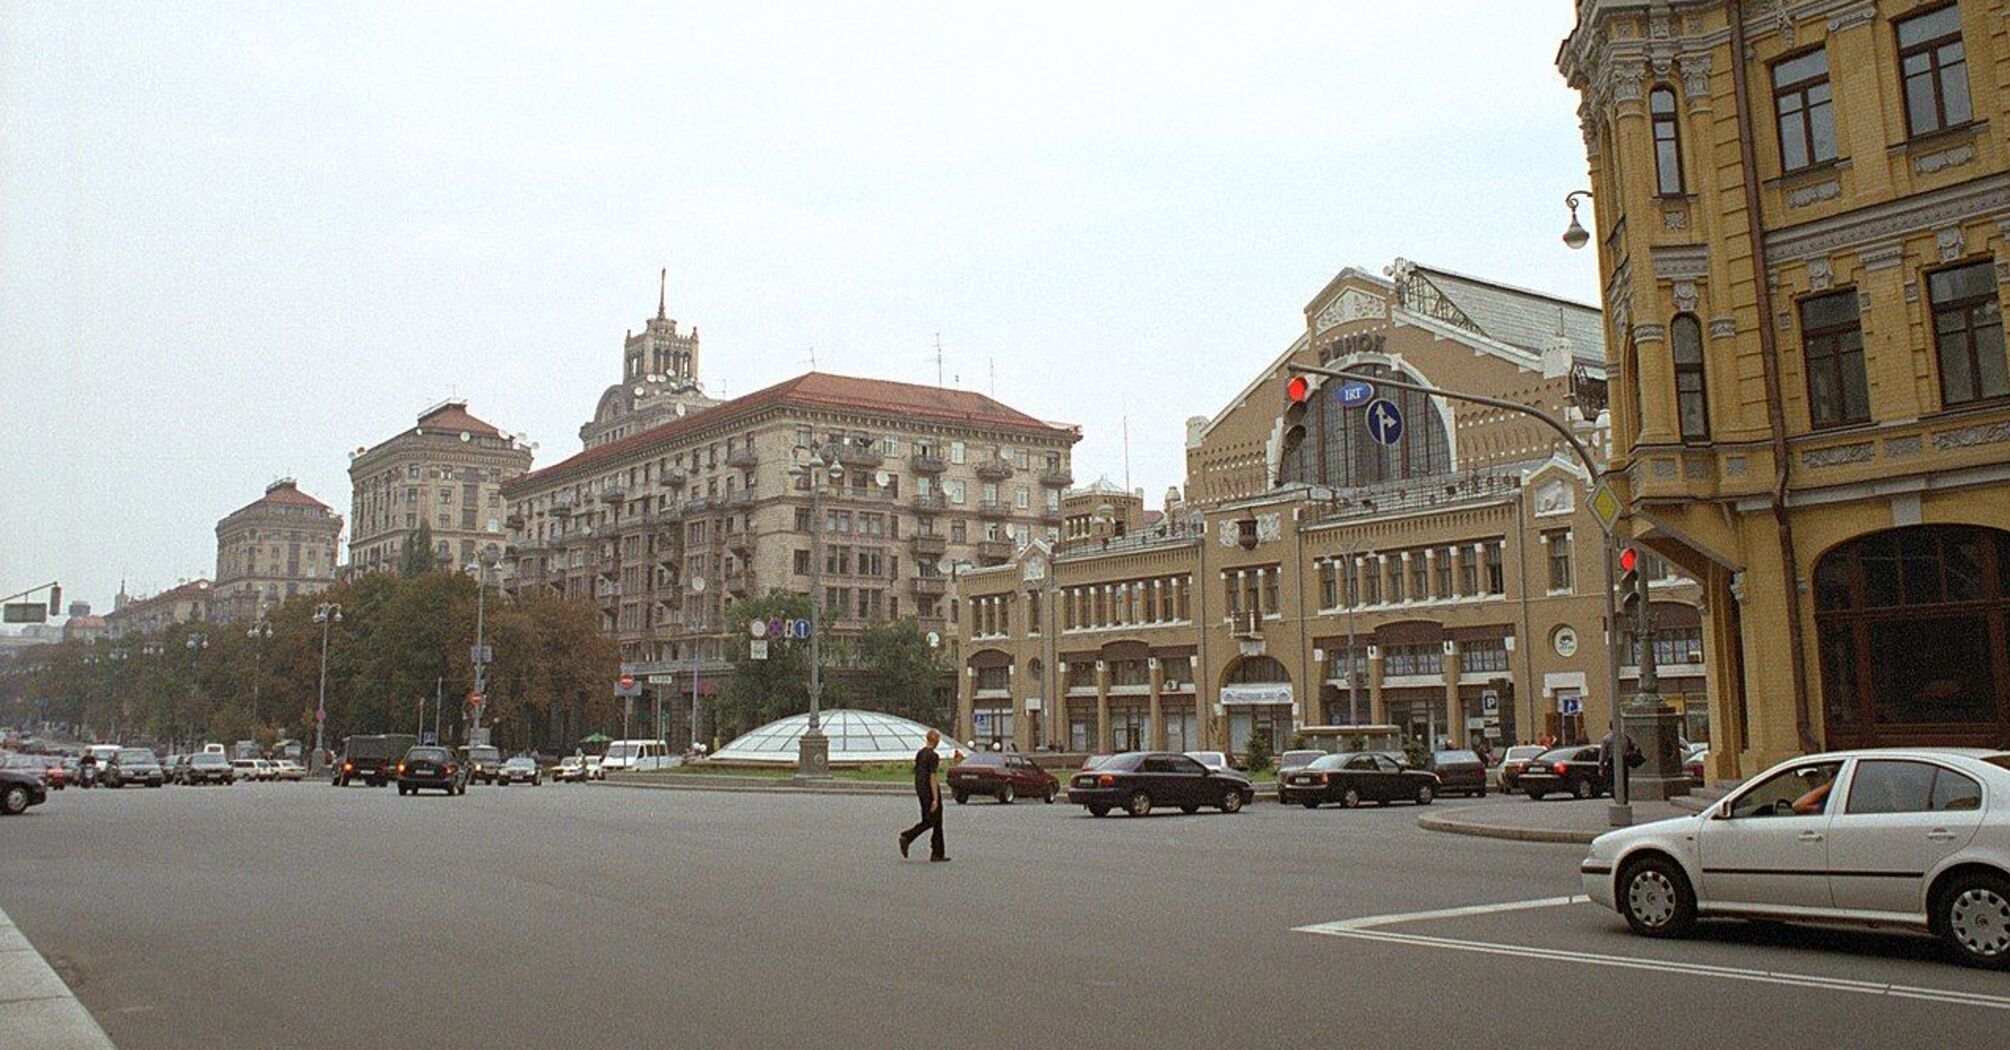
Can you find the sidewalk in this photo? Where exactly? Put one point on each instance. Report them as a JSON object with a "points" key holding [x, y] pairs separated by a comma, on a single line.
{"points": [[36, 1007], [1565, 820]]}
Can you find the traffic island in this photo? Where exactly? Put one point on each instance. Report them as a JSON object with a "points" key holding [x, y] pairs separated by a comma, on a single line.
{"points": [[1564, 820], [37, 1009]]}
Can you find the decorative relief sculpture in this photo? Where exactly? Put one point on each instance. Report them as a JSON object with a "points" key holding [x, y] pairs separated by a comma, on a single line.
{"points": [[1353, 304], [1928, 163], [1861, 452], [1820, 274], [1815, 194]]}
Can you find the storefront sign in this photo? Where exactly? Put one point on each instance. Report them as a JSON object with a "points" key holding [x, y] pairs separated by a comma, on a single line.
{"points": [[1278, 693]]}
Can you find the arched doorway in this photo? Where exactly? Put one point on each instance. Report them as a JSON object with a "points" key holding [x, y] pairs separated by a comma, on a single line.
{"points": [[1256, 700], [991, 723], [1912, 628]]}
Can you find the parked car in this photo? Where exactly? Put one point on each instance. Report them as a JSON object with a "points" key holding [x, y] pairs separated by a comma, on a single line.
{"points": [[1908, 838], [48, 767], [569, 768], [1215, 760], [520, 770], [596, 768], [372, 759], [1459, 773], [1694, 764], [1351, 778], [246, 769], [1138, 781], [483, 763], [19, 789], [287, 769], [431, 767], [1292, 761], [1571, 770], [136, 766], [636, 755], [1001, 775], [1513, 762], [209, 767], [1095, 761]]}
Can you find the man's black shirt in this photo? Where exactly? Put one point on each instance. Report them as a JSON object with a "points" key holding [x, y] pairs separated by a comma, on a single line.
{"points": [[925, 761]]}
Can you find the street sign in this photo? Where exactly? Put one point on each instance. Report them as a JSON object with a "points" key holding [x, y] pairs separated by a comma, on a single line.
{"points": [[430, 737], [1490, 701], [1569, 705], [1354, 394], [475, 699], [26, 612], [321, 714], [482, 654], [757, 628], [628, 681], [800, 629], [662, 679], [1605, 506], [757, 649], [1384, 421], [626, 686]]}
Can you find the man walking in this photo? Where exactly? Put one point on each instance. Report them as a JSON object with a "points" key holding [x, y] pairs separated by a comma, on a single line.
{"points": [[930, 794]]}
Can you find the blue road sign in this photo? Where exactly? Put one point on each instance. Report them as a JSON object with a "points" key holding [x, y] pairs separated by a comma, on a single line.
{"points": [[801, 628], [1385, 421], [1354, 394], [1569, 705]]}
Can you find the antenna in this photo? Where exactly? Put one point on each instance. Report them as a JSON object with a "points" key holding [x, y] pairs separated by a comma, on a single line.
{"points": [[938, 359], [1127, 447], [992, 364], [813, 358]]}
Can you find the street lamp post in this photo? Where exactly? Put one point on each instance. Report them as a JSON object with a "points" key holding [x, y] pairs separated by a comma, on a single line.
{"points": [[259, 633], [327, 614], [196, 643], [480, 567], [118, 659], [813, 757]]}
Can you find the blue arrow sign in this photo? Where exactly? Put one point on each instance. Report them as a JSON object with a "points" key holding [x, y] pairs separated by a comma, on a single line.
{"points": [[1354, 394], [1385, 421]]}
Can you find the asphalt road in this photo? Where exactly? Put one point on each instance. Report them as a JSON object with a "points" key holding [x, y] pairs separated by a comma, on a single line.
{"points": [[300, 915]]}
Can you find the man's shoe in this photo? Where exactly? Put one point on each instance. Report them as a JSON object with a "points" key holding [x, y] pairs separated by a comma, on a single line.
{"points": [[904, 843], [938, 860]]}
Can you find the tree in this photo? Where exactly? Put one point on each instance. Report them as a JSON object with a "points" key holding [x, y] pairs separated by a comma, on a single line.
{"points": [[1259, 751], [418, 558], [760, 691], [897, 671]]}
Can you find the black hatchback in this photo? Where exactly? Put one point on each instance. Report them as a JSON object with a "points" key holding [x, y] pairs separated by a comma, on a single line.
{"points": [[431, 767], [1353, 778], [1139, 781], [1574, 771]]}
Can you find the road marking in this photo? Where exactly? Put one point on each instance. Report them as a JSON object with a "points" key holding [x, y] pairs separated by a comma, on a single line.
{"points": [[1368, 928], [1368, 921]]}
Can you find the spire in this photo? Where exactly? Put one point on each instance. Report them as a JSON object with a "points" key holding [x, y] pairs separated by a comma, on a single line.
{"points": [[662, 292]]}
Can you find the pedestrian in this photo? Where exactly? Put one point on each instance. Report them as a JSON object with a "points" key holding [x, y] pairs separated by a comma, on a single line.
{"points": [[929, 792]]}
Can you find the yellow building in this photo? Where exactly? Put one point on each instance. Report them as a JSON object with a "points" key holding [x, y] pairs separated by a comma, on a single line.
{"points": [[1447, 584], [1802, 209]]}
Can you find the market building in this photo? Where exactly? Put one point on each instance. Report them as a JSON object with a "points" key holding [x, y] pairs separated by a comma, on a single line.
{"points": [[1801, 219], [1456, 573]]}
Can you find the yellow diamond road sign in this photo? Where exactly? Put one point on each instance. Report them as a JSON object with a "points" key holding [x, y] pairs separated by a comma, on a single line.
{"points": [[1605, 504]]}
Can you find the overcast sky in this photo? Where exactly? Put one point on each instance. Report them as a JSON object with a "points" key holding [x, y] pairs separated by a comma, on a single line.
{"points": [[238, 241]]}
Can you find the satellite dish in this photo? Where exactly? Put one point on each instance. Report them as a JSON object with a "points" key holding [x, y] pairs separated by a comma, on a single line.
{"points": [[466, 437], [943, 566], [698, 584], [934, 640], [882, 479], [681, 409], [639, 391]]}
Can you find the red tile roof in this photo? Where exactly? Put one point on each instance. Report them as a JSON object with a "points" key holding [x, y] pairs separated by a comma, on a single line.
{"points": [[815, 390], [453, 415], [287, 493]]}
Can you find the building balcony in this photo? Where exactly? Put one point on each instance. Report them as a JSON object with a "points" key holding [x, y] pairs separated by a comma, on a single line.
{"points": [[927, 463], [852, 455], [740, 499], [929, 545], [743, 459], [514, 521], [614, 496], [994, 552], [994, 470], [933, 586], [1057, 477], [741, 543], [675, 477], [562, 502], [994, 508], [1245, 624], [696, 505], [930, 502], [1050, 515], [738, 583]]}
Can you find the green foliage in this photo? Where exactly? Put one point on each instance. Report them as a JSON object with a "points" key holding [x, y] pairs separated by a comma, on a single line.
{"points": [[1417, 752], [418, 558], [1259, 754], [760, 691], [897, 672]]}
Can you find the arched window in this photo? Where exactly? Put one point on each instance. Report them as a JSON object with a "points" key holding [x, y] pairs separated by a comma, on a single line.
{"points": [[1667, 142], [1914, 647], [1692, 401], [1256, 670], [1338, 451]]}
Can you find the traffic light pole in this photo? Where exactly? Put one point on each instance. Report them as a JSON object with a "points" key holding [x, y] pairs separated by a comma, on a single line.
{"points": [[1620, 813]]}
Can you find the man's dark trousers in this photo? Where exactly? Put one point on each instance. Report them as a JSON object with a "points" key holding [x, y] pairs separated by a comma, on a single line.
{"points": [[931, 821]]}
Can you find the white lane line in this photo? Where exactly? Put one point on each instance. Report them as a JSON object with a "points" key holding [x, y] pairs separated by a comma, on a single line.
{"points": [[1730, 973], [1369, 921]]}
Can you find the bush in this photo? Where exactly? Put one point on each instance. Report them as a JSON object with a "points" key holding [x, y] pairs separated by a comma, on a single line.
{"points": [[1417, 752], [1259, 752]]}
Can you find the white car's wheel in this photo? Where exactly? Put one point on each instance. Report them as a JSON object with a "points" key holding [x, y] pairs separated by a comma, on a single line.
{"points": [[1655, 897], [1972, 914]]}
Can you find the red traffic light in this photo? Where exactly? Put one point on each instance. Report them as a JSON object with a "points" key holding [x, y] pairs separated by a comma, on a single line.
{"points": [[1298, 389], [1629, 559]]}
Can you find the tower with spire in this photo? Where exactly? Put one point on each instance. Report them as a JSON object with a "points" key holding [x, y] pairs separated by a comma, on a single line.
{"points": [[659, 377]]}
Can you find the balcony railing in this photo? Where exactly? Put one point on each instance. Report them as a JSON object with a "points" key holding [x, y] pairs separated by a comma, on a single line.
{"points": [[930, 545], [613, 496], [743, 459], [675, 476], [860, 456], [930, 501], [994, 551], [927, 463], [931, 585], [1058, 477], [994, 470], [994, 508], [697, 505], [737, 583], [740, 498], [1050, 515]]}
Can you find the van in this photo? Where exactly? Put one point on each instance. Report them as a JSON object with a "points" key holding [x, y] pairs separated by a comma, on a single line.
{"points": [[212, 749], [625, 755]]}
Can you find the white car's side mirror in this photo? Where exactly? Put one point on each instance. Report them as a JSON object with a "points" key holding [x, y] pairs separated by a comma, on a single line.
{"points": [[1722, 811]]}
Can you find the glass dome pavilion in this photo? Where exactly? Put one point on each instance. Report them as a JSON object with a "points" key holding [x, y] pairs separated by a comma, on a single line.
{"points": [[856, 738]]}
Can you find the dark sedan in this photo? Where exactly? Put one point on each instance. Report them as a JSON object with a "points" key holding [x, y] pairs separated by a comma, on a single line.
{"points": [[133, 765], [522, 769], [19, 789], [207, 767], [48, 767], [431, 767], [1003, 776], [1351, 779], [1565, 771], [1137, 781], [1460, 773]]}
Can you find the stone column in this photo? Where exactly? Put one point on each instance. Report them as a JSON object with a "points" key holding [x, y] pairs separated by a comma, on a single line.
{"points": [[1455, 715], [1158, 742], [966, 690], [1102, 704], [1378, 711]]}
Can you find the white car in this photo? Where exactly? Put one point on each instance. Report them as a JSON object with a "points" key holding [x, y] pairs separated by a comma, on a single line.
{"points": [[287, 769], [1914, 838], [1214, 760], [248, 768]]}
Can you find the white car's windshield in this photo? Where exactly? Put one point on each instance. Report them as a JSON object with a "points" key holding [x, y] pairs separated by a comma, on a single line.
{"points": [[624, 750]]}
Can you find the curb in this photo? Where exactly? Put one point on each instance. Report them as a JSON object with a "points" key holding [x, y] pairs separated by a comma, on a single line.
{"points": [[1492, 831], [755, 787], [36, 1007]]}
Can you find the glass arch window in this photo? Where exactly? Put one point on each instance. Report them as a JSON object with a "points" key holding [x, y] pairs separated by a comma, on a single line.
{"points": [[1913, 641], [1692, 401], [1338, 452], [1667, 142]]}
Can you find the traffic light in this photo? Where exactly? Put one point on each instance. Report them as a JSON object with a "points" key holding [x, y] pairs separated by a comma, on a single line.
{"points": [[55, 599], [1298, 393], [1631, 593]]}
